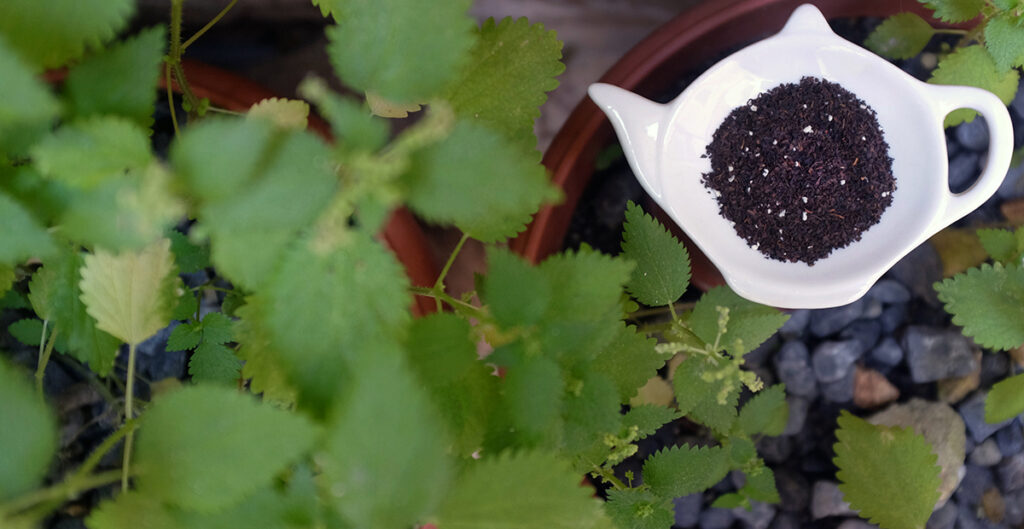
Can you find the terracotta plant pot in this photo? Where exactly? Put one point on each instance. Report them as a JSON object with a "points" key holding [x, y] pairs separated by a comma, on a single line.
{"points": [[402, 233], [650, 68]]}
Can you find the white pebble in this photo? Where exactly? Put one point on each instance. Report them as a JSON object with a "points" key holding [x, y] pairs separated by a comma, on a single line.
{"points": [[753, 108], [764, 173], [805, 105], [798, 164], [830, 117], [775, 142], [885, 194], [864, 107], [808, 129], [731, 178], [842, 182], [769, 210], [756, 246], [730, 168], [805, 215], [750, 133], [862, 138], [782, 214], [804, 199]]}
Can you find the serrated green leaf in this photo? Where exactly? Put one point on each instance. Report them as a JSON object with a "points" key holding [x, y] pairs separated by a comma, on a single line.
{"points": [[974, 66], [680, 470], [954, 10], [591, 412], [445, 361], [639, 509], [27, 107], [585, 284], [184, 337], [263, 364], [283, 113], [478, 181], [217, 328], [189, 257], [187, 306], [53, 32], [485, 91], [55, 296], [533, 400], [22, 236], [865, 451], [901, 36], [258, 190], [216, 363], [760, 485], [490, 495], [29, 441], [742, 452], [130, 294], [988, 302], [709, 402], [749, 325], [1000, 245], [1004, 39], [121, 79], [648, 418], [516, 292], [354, 127], [198, 452], [396, 49], [662, 270], [316, 351], [766, 413], [368, 470], [629, 360], [27, 331], [730, 501], [1005, 400]]}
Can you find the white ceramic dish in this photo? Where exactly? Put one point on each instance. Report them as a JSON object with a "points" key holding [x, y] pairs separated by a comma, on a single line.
{"points": [[664, 144]]}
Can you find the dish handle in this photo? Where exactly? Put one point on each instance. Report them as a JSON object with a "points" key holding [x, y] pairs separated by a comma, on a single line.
{"points": [[946, 99]]}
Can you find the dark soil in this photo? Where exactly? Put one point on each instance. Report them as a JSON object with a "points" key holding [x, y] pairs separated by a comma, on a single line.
{"points": [[801, 170]]}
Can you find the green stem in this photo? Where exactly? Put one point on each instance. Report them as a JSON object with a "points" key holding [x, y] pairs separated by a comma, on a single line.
{"points": [[170, 99], [473, 310], [129, 401], [65, 490], [208, 25], [44, 358], [439, 284], [609, 477], [107, 445], [951, 31], [174, 59]]}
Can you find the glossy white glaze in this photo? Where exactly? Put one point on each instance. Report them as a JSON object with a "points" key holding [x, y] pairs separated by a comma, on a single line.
{"points": [[664, 144]]}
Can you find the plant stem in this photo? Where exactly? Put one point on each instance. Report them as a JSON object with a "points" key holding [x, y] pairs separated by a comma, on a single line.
{"points": [[457, 303], [208, 25], [174, 60], [170, 100], [44, 358], [609, 477], [107, 445], [439, 284], [65, 490], [129, 401], [951, 31]]}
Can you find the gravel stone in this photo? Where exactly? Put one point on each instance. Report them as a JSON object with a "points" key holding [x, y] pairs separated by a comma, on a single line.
{"points": [[972, 411], [792, 364], [760, 515], [716, 519], [794, 490], [986, 454], [967, 519], [1013, 186], [833, 361], [888, 352], [892, 317], [839, 391], [798, 407], [872, 309], [827, 500], [973, 134], [827, 322], [864, 331], [687, 509], [1014, 516], [976, 481], [943, 517], [918, 270], [796, 324], [934, 354], [889, 291], [785, 520], [994, 367], [763, 352], [963, 169], [1011, 473], [775, 449], [1010, 439]]}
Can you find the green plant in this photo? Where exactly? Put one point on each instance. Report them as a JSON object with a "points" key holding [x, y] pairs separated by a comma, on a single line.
{"points": [[366, 417]]}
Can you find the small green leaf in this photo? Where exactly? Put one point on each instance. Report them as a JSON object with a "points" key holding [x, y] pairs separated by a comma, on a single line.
{"points": [[955, 10], [533, 393], [121, 79], [22, 236], [129, 294], [663, 266], [516, 292], [648, 418], [29, 439], [53, 32], [26, 103], [765, 413], [1001, 245], [217, 328], [680, 470], [184, 337], [1005, 400], [283, 113], [396, 49], [478, 181], [216, 363], [354, 126], [1004, 39], [749, 324], [974, 66], [198, 450], [490, 495], [711, 402], [730, 501], [27, 331], [760, 485], [865, 451], [510, 49], [901, 36], [629, 360], [591, 411], [988, 302], [639, 509], [189, 257], [263, 364]]}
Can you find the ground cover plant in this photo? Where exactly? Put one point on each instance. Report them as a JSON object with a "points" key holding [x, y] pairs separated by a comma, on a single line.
{"points": [[315, 399]]}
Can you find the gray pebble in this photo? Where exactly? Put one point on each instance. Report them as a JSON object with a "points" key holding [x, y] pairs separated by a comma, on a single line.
{"points": [[864, 331], [796, 324], [994, 367], [1011, 473], [794, 490], [1014, 516], [963, 168], [887, 352], [973, 412], [762, 352], [833, 361], [892, 317], [1010, 439], [716, 519], [985, 454], [827, 500], [839, 391], [775, 450], [918, 270], [760, 515], [687, 509], [798, 407], [1013, 185], [944, 517], [827, 322], [934, 354], [1018, 101], [889, 291], [792, 365], [975, 482], [973, 134], [872, 309], [785, 520], [967, 518]]}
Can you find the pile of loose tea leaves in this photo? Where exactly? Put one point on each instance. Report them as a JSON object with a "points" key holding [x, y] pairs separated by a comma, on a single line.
{"points": [[801, 170]]}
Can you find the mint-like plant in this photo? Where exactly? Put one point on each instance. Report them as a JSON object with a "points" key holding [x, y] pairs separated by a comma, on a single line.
{"points": [[316, 399]]}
